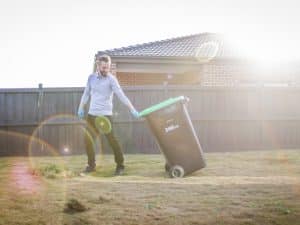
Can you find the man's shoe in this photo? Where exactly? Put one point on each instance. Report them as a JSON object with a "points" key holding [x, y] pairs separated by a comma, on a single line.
{"points": [[90, 169], [119, 170]]}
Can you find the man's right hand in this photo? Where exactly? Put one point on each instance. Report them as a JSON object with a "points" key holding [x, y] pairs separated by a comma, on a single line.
{"points": [[80, 113]]}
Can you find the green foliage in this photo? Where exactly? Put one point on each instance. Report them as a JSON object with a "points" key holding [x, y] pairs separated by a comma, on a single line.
{"points": [[50, 171]]}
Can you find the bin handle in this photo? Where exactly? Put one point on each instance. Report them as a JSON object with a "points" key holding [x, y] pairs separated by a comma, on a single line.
{"points": [[186, 99]]}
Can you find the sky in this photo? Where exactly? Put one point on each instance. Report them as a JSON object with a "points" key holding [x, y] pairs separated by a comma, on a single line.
{"points": [[54, 42]]}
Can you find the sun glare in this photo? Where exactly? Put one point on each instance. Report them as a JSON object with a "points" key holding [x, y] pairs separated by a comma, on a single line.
{"points": [[266, 49]]}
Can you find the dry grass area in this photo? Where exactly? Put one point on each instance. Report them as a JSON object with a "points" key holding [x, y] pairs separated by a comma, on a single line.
{"points": [[236, 188]]}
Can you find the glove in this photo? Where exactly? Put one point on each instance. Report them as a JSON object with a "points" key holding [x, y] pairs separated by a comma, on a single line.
{"points": [[135, 113], [80, 113]]}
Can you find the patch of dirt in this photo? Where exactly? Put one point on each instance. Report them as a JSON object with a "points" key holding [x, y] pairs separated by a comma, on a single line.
{"points": [[73, 206]]}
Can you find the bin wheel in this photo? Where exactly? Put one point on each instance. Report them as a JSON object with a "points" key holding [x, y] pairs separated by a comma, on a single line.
{"points": [[167, 167], [176, 172]]}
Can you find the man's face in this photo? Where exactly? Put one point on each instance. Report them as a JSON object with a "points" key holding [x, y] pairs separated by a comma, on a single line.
{"points": [[103, 67]]}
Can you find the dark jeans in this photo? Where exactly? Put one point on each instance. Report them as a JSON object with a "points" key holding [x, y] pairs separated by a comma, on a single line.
{"points": [[91, 135]]}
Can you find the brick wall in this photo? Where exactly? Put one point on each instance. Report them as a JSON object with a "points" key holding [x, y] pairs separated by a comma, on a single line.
{"points": [[132, 79], [222, 73], [231, 73]]}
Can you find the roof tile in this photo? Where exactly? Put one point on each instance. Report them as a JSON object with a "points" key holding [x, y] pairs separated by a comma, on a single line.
{"points": [[196, 45]]}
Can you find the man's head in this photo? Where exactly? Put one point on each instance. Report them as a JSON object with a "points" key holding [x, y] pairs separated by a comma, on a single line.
{"points": [[103, 63]]}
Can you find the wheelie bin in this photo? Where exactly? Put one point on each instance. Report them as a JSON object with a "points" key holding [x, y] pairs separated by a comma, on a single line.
{"points": [[172, 127]]}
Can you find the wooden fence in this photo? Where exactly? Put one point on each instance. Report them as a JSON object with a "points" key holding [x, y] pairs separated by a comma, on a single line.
{"points": [[43, 121]]}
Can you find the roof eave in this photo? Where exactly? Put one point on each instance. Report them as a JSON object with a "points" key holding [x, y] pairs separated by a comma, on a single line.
{"points": [[156, 59]]}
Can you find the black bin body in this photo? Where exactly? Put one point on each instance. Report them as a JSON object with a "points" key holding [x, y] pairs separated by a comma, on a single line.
{"points": [[176, 137]]}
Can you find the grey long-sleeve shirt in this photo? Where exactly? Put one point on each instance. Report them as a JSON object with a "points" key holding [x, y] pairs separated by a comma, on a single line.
{"points": [[101, 89]]}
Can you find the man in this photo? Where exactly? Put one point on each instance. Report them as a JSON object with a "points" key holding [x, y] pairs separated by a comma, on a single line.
{"points": [[100, 88]]}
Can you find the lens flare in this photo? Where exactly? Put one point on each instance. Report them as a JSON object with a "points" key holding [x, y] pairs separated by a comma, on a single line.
{"points": [[61, 134], [207, 51], [28, 175], [24, 180]]}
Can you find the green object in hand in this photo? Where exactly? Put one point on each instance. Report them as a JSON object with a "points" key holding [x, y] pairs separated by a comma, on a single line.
{"points": [[103, 124]]}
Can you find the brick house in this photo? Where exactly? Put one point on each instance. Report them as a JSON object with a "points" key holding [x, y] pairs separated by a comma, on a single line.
{"points": [[205, 59]]}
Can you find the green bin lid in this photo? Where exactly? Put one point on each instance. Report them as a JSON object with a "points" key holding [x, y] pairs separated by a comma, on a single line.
{"points": [[161, 105]]}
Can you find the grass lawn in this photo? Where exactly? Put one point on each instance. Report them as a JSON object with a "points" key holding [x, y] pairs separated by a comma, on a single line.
{"points": [[261, 187]]}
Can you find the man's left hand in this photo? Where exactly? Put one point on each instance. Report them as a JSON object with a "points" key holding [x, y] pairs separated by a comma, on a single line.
{"points": [[135, 113]]}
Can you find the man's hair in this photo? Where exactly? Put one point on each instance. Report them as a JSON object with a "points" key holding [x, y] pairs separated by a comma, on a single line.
{"points": [[103, 58]]}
